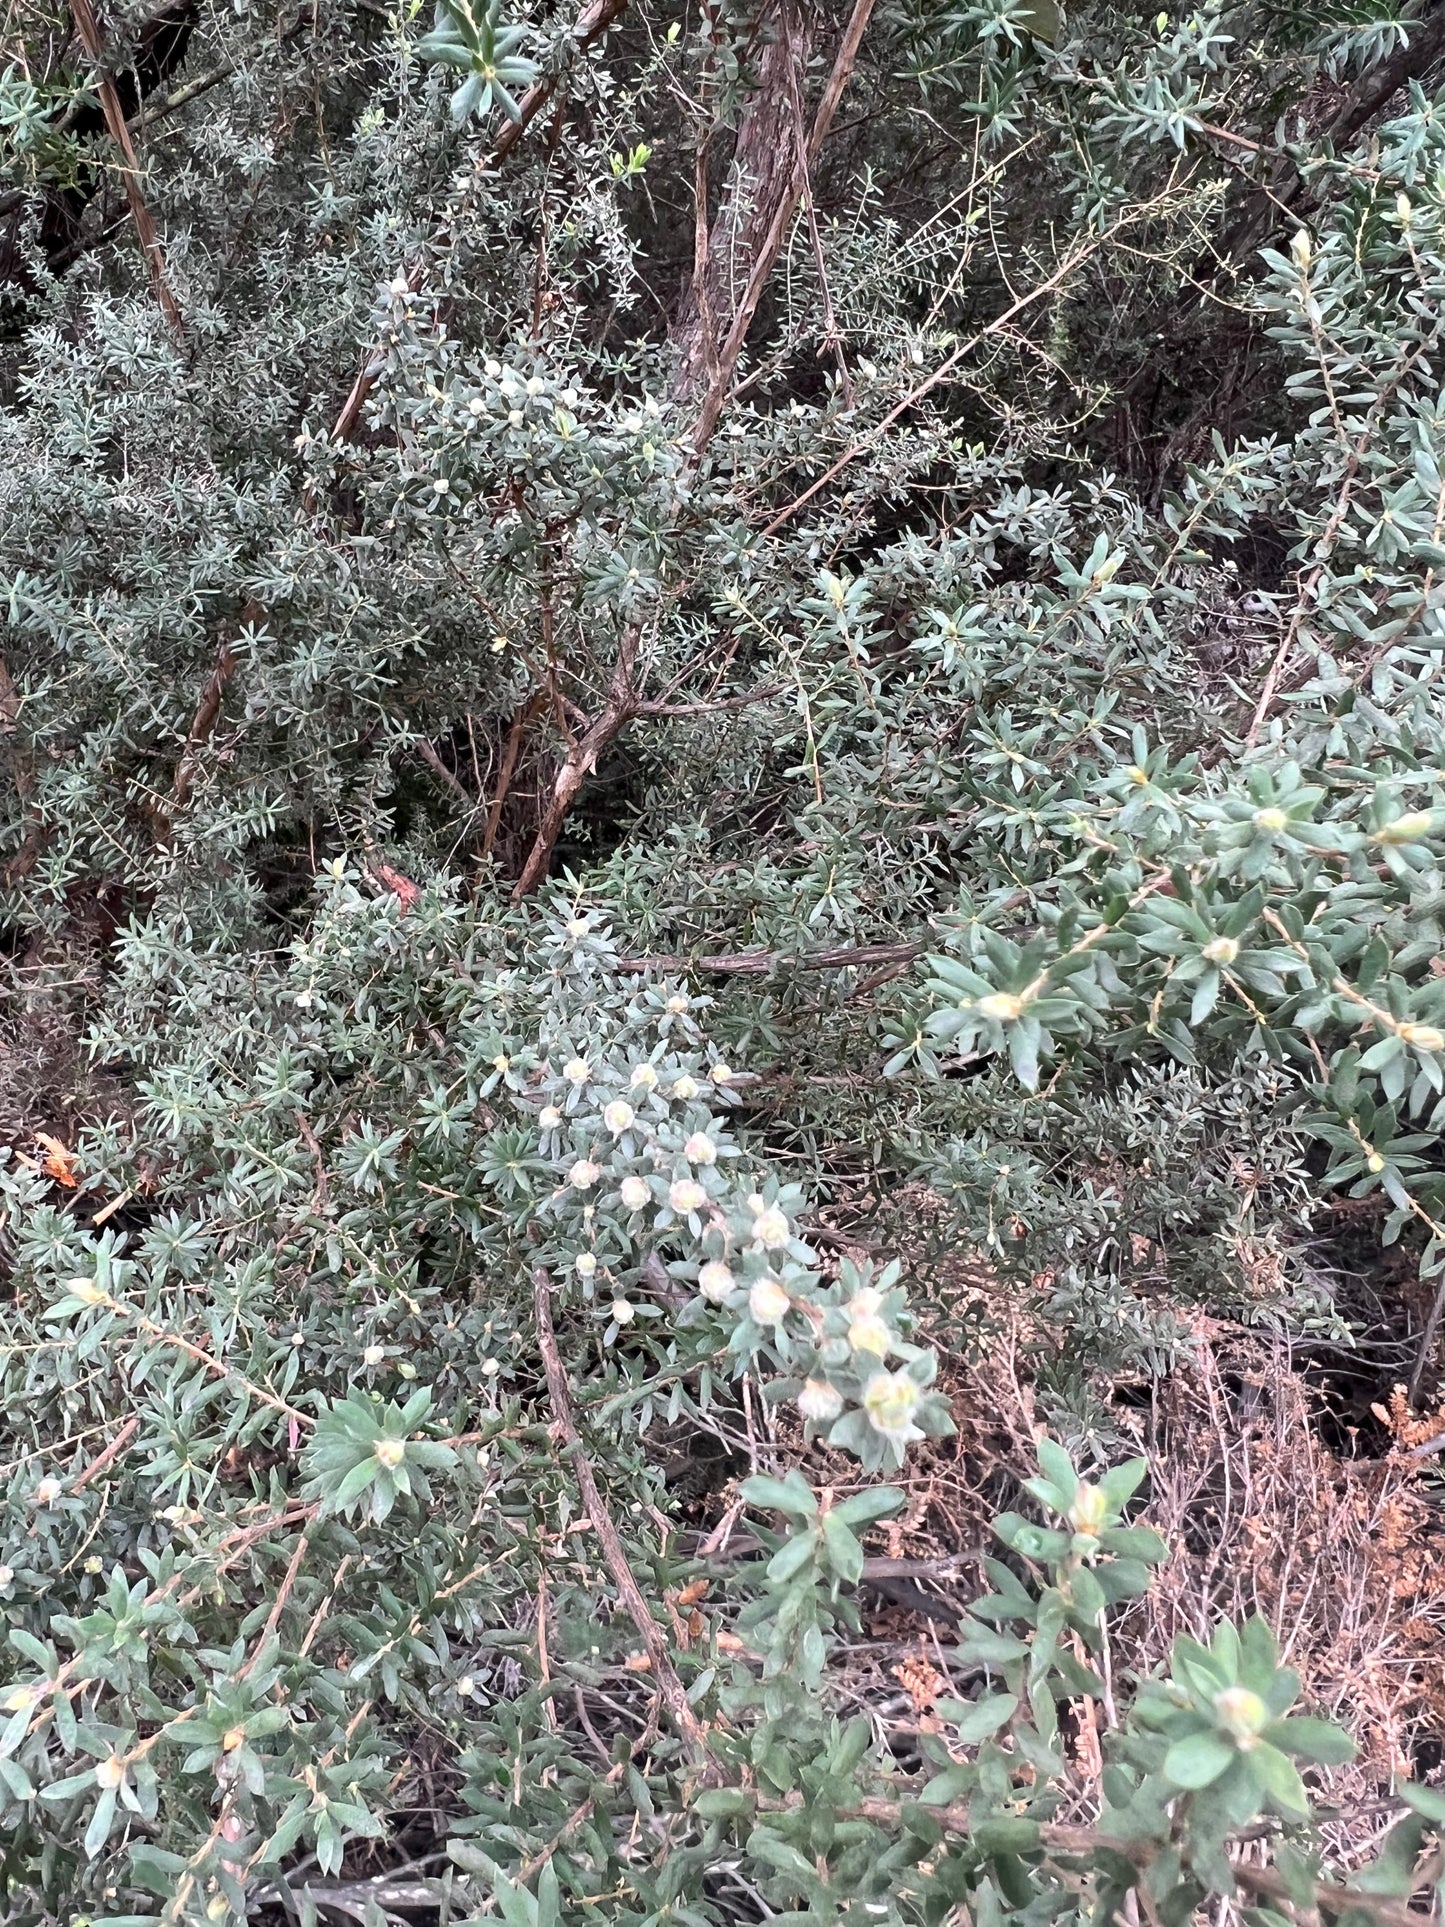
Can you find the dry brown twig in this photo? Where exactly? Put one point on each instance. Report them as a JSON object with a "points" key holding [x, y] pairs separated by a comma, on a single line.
{"points": [[660, 1665], [90, 34]]}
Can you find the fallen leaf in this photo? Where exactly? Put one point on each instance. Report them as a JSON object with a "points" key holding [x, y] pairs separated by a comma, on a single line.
{"points": [[58, 1162]]}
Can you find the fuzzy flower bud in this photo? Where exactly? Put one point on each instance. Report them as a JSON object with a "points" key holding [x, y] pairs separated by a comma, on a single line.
{"points": [[585, 1265], [721, 1074], [700, 1149], [677, 1003], [577, 1070], [820, 1400], [890, 1399], [1000, 1007], [767, 1302], [618, 1116], [109, 1773], [1242, 1714], [770, 1228], [1422, 1036], [715, 1281], [623, 1310], [549, 1118], [373, 1356], [644, 1077], [635, 1194], [685, 1195], [1220, 950], [1271, 820], [870, 1334], [583, 1173], [390, 1452], [47, 1492]]}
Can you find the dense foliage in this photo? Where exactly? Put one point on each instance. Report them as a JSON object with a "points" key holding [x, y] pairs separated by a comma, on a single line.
{"points": [[661, 671]]}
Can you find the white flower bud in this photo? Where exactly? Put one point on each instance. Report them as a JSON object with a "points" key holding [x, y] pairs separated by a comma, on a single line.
{"points": [[890, 1399], [1000, 1007], [618, 1116], [644, 1077], [685, 1089], [820, 1400], [677, 1003], [549, 1117], [700, 1149], [466, 1686], [635, 1194], [686, 1195], [623, 1310], [770, 1228], [715, 1281], [721, 1074], [585, 1265], [1220, 950], [1271, 820], [47, 1492], [583, 1174], [373, 1356], [390, 1452], [577, 1070], [870, 1334], [768, 1302], [110, 1773]]}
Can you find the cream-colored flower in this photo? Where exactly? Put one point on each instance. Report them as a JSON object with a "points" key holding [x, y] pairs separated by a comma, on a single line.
{"points": [[768, 1302], [870, 1334], [684, 1088], [864, 1303], [1000, 1007], [770, 1228], [677, 1003], [110, 1773], [1422, 1036], [578, 926], [549, 1118], [644, 1077], [577, 1070], [466, 1686], [373, 1356], [721, 1074], [1242, 1714], [700, 1149], [583, 1173], [635, 1194], [715, 1281], [890, 1399], [618, 1116], [1220, 950], [585, 1265], [47, 1492], [390, 1452], [623, 1310], [88, 1291], [820, 1400], [685, 1195], [1271, 820]]}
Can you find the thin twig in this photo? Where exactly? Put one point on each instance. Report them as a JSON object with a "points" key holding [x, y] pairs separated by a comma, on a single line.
{"points": [[145, 227], [659, 1660]]}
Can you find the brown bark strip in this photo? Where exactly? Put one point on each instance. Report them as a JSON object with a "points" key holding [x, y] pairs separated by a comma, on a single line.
{"points": [[659, 1659], [844, 62], [581, 761], [523, 717], [763, 162], [108, 1457], [115, 121], [593, 22], [203, 722]]}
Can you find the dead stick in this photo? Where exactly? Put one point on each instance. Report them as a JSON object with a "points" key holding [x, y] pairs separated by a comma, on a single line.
{"points": [[846, 59], [659, 1660], [509, 767], [145, 228], [109, 1456]]}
